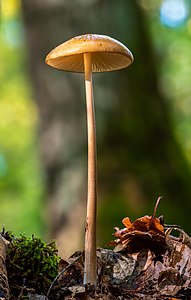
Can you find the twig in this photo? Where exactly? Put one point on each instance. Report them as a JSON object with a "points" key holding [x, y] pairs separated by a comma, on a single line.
{"points": [[22, 289], [156, 206], [56, 278]]}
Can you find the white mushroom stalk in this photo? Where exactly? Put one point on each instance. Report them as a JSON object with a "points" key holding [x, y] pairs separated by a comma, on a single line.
{"points": [[90, 53], [90, 236]]}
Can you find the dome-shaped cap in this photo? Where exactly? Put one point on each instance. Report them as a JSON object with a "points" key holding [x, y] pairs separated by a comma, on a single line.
{"points": [[107, 54]]}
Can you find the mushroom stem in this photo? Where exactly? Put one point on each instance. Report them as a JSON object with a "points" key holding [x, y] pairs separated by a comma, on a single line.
{"points": [[90, 237]]}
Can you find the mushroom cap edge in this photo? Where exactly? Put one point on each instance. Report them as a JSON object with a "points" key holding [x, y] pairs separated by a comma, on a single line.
{"points": [[107, 54]]}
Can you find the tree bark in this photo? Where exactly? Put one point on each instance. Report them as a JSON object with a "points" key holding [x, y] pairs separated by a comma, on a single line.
{"points": [[4, 285]]}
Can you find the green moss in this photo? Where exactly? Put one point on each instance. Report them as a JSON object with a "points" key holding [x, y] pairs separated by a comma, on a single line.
{"points": [[31, 264]]}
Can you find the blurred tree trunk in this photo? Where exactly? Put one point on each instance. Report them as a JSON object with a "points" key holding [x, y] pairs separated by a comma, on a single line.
{"points": [[138, 155]]}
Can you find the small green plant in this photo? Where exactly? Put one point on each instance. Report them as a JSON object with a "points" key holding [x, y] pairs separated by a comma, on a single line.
{"points": [[31, 264]]}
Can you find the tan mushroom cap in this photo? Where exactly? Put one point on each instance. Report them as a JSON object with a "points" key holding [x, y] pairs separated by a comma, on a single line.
{"points": [[107, 54]]}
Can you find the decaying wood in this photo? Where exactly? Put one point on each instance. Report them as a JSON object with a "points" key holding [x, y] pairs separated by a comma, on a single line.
{"points": [[4, 286], [123, 275]]}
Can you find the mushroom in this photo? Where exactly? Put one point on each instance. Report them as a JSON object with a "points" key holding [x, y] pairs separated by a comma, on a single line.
{"points": [[90, 53]]}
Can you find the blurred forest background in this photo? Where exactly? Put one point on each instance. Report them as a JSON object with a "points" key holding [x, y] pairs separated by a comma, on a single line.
{"points": [[143, 116]]}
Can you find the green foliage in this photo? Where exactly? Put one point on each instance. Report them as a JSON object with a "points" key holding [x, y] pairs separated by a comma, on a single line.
{"points": [[20, 177], [172, 50], [31, 262]]}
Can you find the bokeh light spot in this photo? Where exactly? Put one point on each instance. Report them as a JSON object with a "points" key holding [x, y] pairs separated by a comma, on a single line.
{"points": [[173, 12], [9, 8]]}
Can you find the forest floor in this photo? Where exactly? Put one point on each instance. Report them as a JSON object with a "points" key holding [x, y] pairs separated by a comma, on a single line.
{"points": [[31, 269]]}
